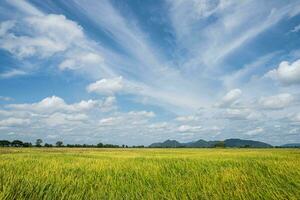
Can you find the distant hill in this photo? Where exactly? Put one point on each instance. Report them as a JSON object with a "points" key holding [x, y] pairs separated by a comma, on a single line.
{"points": [[245, 143], [210, 144], [291, 145], [167, 144], [200, 144]]}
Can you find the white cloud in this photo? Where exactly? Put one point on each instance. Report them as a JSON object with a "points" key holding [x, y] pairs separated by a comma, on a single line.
{"points": [[58, 119], [245, 74], [49, 34], [187, 118], [295, 117], [227, 32], [159, 126], [84, 119], [39, 36], [230, 98], [189, 128], [13, 122], [25, 7], [107, 86], [12, 73], [145, 114], [287, 73], [63, 42], [241, 114], [56, 37], [110, 121], [80, 60], [5, 27], [3, 98], [48, 104], [134, 118], [236, 113], [144, 62], [57, 104], [296, 29], [279, 101], [255, 131]]}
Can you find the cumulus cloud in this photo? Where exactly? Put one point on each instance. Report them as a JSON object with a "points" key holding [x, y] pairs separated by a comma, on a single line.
{"points": [[12, 73], [107, 86], [286, 73], [295, 29], [189, 128], [295, 117], [36, 35], [3, 98], [159, 126], [255, 131], [55, 39], [58, 119], [109, 121], [84, 119], [279, 101], [53, 113], [230, 98], [55, 104], [80, 60], [129, 118], [49, 34], [241, 114], [187, 118], [142, 114], [13, 122]]}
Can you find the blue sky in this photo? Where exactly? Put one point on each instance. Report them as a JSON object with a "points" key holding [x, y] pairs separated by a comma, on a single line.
{"points": [[137, 72]]}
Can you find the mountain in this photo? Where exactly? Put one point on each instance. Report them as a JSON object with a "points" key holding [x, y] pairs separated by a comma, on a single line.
{"points": [[245, 143], [200, 144], [291, 145], [208, 144], [167, 144]]}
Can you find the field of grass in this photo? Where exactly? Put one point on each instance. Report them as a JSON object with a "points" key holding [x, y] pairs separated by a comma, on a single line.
{"points": [[65, 173]]}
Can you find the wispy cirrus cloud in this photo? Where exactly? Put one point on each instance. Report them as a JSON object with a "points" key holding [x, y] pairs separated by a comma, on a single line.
{"points": [[208, 84], [227, 31], [4, 98], [13, 73]]}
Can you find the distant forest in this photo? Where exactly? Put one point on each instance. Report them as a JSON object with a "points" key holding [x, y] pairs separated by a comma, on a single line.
{"points": [[228, 143], [39, 143]]}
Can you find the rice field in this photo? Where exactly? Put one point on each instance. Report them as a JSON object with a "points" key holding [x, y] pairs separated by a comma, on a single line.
{"points": [[64, 173]]}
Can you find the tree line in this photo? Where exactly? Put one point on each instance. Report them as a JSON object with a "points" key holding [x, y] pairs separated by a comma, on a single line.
{"points": [[39, 143]]}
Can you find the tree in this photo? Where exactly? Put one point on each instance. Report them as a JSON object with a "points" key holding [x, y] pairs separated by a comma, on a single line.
{"points": [[59, 143], [48, 145], [100, 145], [220, 144], [27, 144], [17, 143], [38, 142], [4, 143]]}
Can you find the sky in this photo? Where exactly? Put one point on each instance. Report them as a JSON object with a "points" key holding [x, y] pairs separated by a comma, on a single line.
{"points": [[140, 71]]}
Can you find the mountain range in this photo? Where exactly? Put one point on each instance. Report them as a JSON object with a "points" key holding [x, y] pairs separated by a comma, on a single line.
{"points": [[208, 144], [291, 145]]}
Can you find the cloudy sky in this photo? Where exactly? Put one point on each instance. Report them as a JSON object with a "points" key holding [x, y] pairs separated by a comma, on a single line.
{"points": [[136, 72]]}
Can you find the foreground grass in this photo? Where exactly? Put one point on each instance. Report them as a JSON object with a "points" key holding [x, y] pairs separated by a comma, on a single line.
{"points": [[149, 173]]}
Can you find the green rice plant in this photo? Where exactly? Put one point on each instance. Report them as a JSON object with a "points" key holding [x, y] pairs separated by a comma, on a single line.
{"points": [[63, 173]]}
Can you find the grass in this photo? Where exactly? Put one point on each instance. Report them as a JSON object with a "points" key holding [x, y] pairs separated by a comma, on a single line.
{"points": [[149, 173]]}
